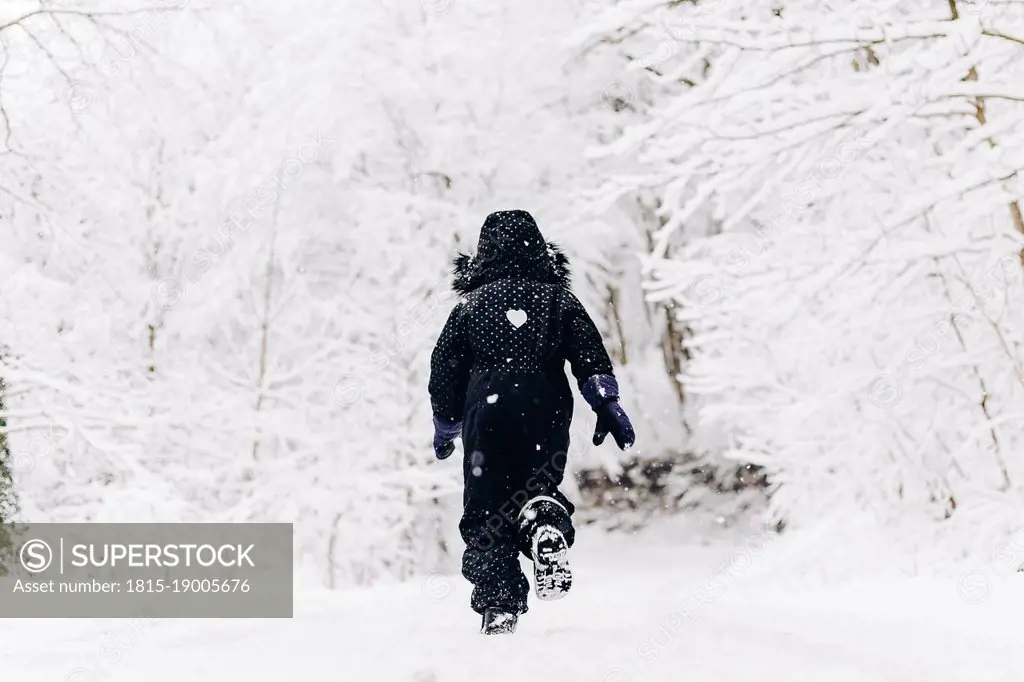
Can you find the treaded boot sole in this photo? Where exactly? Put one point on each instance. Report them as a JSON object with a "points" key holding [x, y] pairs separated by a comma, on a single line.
{"points": [[552, 577]]}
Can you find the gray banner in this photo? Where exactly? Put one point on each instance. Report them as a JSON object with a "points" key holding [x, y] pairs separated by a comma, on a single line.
{"points": [[146, 570]]}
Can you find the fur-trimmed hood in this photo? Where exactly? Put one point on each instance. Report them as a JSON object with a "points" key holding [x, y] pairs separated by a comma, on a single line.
{"points": [[511, 246]]}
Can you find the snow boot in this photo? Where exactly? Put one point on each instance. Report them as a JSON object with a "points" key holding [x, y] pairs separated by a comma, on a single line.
{"points": [[498, 622], [551, 574]]}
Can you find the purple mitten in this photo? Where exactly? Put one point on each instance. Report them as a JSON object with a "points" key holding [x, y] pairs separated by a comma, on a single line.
{"points": [[601, 392], [599, 389], [445, 431]]}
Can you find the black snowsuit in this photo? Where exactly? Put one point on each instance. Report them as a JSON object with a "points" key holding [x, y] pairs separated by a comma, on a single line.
{"points": [[499, 367]]}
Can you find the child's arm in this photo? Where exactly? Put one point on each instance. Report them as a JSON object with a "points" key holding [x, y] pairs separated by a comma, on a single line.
{"points": [[584, 349], [449, 378]]}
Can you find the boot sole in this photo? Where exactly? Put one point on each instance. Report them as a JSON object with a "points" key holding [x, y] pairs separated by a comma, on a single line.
{"points": [[552, 577]]}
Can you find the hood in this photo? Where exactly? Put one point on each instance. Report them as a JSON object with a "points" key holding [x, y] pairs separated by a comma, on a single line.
{"points": [[511, 246]]}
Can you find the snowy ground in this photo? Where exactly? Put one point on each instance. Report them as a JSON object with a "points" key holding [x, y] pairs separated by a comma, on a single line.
{"points": [[642, 609]]}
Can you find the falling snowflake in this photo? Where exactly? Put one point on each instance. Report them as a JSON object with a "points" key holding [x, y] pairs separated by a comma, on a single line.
{"points": [[493, 398]]}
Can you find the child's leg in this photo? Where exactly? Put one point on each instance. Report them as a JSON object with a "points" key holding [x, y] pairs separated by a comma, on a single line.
{"points": [[491, 563], [544, 520], [491, 559], [542, 465], [545, 535]]}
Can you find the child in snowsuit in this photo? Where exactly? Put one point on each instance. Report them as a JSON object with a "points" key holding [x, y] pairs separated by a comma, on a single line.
{"points": [[497, 378]]}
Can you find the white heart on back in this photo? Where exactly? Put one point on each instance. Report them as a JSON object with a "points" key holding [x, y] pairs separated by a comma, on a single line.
{"points": [[516, 317]]}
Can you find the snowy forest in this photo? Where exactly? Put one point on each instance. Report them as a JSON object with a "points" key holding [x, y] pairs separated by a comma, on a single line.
{"points": [[227, 230]]}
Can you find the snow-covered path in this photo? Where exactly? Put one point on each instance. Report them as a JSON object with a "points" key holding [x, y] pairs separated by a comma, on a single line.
{"points": [[623, 621]]}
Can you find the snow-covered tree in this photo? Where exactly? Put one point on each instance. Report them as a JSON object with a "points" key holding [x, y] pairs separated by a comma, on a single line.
{"points": [[839, 195], [228, 278]]}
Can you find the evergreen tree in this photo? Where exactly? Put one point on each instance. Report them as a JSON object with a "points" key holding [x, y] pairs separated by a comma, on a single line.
{"points": [[8, 496]]}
